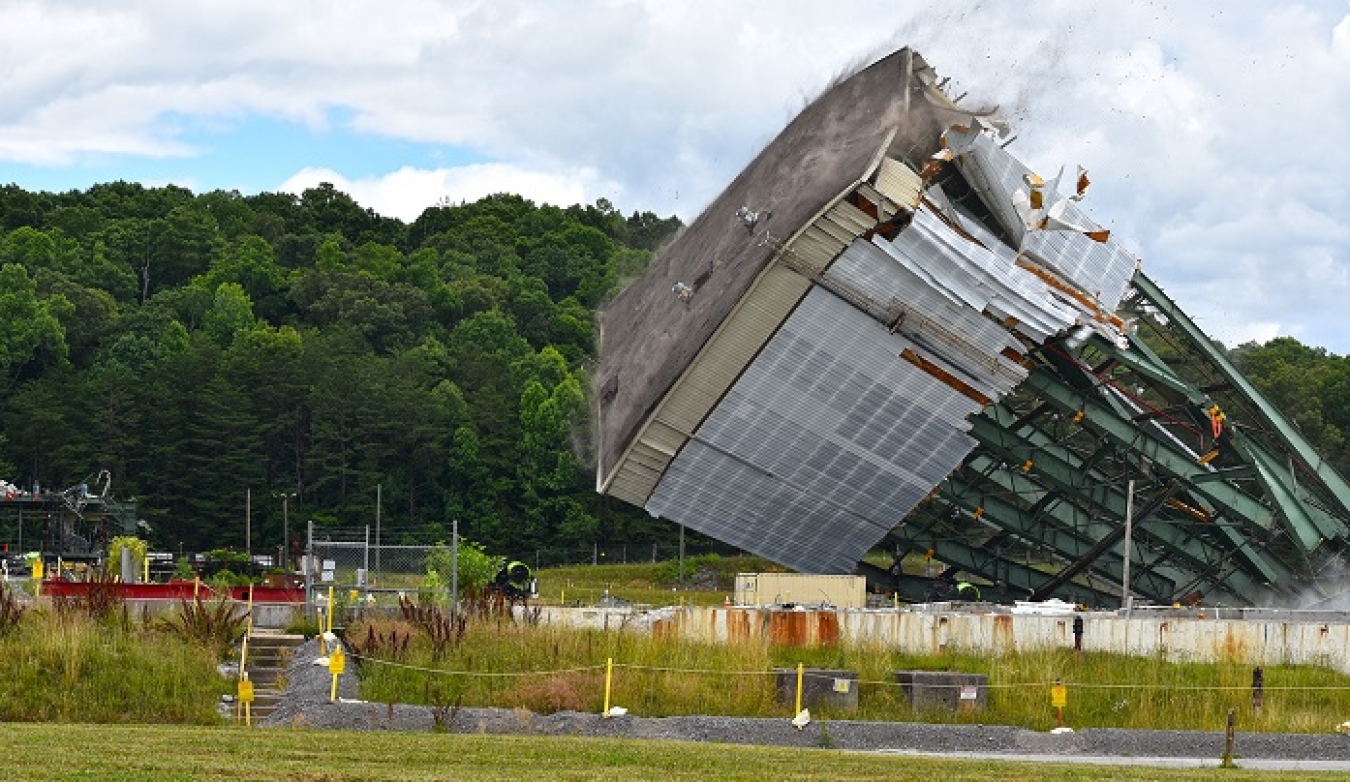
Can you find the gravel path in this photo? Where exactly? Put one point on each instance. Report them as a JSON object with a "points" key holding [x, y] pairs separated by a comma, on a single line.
{"points": [[307, 705]]}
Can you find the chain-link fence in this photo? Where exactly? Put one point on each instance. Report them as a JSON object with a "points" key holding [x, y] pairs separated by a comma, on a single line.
{"points": [[356, 560]]}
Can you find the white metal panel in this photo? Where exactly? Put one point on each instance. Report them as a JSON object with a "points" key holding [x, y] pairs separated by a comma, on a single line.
{"points": [[899, 182]]}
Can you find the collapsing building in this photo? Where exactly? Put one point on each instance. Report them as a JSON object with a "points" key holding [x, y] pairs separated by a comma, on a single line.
{"points": [[888, 333]]}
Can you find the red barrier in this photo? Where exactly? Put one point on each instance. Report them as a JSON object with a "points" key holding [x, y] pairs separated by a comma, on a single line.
{"points": [[176, 590]]}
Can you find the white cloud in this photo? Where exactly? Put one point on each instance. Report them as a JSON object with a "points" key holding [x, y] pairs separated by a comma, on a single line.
{"points": [[405, 193], [1214, 132]]}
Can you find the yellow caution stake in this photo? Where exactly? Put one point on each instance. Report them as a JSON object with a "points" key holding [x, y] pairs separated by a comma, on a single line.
{"points": [[1059, 698], [609, 678], [337, 664]]}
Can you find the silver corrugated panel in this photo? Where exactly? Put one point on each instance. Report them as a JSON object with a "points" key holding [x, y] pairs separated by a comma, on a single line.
{"points": [[1101, 268], [993, 173], [826, 442], [980, 278], [874, 272]]}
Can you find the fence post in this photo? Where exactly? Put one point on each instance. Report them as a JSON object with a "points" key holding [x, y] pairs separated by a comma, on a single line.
{"points": [[309, 568], [1228, 746], [1258, 689], [801, 670], [454, 567]]}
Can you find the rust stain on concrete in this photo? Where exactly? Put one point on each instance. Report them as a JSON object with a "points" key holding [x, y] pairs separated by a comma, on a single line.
{"points": [[789, 628], [1004, 638], [827, 628]]}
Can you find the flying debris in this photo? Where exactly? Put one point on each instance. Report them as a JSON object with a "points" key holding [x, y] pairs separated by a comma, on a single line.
{"points": [[932, 350]]}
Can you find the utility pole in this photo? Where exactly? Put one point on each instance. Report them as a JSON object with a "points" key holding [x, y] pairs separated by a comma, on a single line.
{"points": [[286, 529], [379, 492], [1126, 602]]}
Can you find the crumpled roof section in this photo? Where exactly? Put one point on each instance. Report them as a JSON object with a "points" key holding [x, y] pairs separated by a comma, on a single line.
{"points": [[888, 310]]}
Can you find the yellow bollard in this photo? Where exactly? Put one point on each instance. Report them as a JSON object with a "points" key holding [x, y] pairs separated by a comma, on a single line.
{"points": [[800, 671], [609, 675]]}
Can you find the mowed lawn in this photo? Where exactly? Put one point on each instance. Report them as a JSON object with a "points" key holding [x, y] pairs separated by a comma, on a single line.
{"points": [[124, 752]]}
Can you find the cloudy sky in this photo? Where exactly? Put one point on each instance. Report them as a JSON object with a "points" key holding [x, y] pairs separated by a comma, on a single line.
{"points": [[1217, 135]]}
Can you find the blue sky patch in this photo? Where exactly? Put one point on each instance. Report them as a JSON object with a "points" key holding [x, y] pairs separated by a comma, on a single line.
{"points": [[250, 154]]}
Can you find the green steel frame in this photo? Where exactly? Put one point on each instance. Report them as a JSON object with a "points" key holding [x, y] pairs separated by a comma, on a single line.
{"points": [[1239, 512]]}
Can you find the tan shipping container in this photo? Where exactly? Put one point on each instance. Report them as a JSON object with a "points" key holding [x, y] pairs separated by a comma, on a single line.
{"points": [[801, 589]]}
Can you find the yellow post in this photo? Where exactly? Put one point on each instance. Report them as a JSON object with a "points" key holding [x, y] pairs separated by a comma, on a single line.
{"points": [[145, 569], [246, 699], [337, 663], [330, 609], [609, 676], [801, 670], [196, 586], [1059, 698]]}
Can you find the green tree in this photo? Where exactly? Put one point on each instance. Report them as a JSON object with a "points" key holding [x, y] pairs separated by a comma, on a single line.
{"points": [[30, 327]]}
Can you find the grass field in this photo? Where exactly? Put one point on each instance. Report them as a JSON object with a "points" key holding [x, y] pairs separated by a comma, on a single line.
{"points": [[126, 752], [709, 580]]}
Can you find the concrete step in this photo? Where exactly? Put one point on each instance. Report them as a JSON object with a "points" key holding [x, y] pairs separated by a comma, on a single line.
{"points": [[269, 654], [261, 676], [275, 640]]}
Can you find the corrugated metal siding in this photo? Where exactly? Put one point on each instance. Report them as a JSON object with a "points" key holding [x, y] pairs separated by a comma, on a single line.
{"points": [[826, 440], [1101, 269], [899, 183], [745, 330]]}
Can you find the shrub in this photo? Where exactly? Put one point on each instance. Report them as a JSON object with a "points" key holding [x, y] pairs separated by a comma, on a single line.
{"points": [[669, 573], [477, 568], [138, 549]]}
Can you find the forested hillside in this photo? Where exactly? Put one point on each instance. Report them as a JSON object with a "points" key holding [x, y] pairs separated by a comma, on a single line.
{"points": [[199, 346]]}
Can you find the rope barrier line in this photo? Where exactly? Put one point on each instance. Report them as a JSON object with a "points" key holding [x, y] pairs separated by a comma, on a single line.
{"points": [[860, 682], [696, 670], [483, 674]]}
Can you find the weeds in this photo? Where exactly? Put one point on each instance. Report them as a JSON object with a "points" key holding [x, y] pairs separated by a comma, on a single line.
{"points": [[378, 643], [442, 630], [443, 713], [71, 668], [545, 669], [101, 599], [216, 626], [11, 610]]}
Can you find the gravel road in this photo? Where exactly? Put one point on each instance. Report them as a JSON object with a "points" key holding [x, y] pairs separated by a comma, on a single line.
{"points": [[307, 705]]}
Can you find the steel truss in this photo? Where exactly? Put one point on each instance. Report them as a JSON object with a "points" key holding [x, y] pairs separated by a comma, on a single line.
{"points": [[1230, 504]]}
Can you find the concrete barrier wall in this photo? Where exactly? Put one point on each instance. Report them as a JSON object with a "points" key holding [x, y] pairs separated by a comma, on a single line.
{"points": [[1181, 637]]}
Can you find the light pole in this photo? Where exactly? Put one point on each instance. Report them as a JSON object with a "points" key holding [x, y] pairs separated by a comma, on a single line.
{"points": [[286, 529]]}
